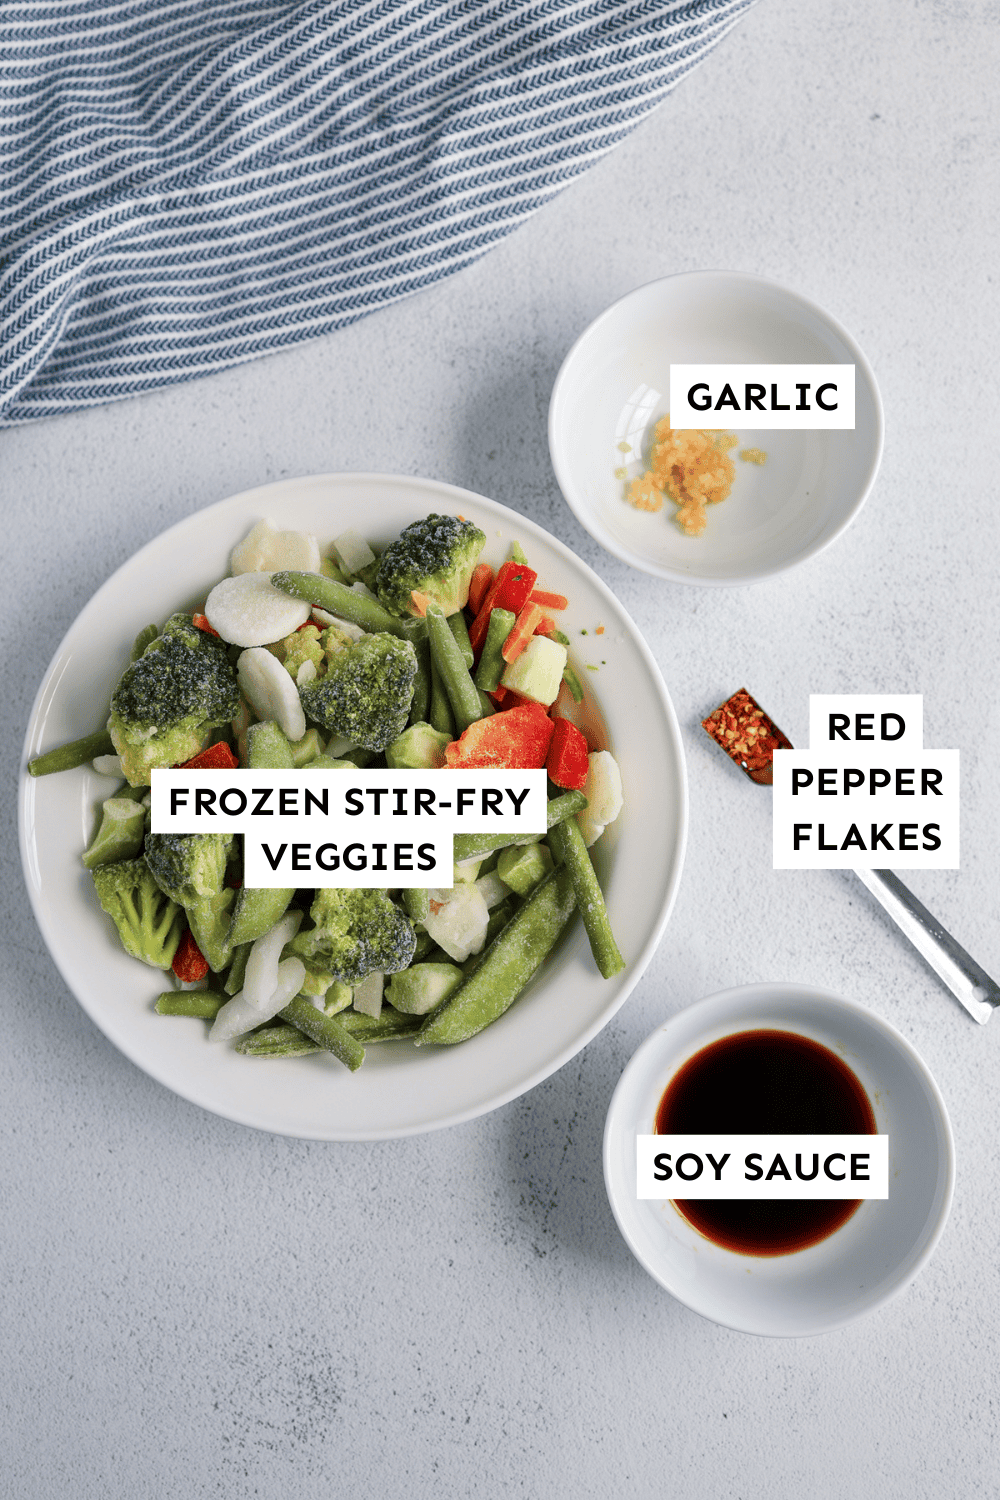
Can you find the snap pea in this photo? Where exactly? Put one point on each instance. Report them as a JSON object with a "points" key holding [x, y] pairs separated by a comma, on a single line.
{"points": [[459, 629], [568, 846], [491, 663], [507, 965], [205, 1004], [76, 753], [447, 656], [326, 1031], [472, 845], [338, 599]]}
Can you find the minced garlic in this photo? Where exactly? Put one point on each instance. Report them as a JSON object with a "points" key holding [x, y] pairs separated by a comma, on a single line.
{"points": [[693, 467]]}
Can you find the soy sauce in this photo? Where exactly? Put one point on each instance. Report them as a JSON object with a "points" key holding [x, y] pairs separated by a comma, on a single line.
{"points": [[773, 1083]]}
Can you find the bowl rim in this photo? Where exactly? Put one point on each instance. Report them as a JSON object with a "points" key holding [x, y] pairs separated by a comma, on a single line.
{"points": [[661, 1039], [592, 524]]}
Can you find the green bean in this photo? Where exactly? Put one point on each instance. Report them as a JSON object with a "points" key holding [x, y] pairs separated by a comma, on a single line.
{"points": [[506, 966], [420, 703], [146, 636], [491, 662], [237, 969], [447, 656], [338, 599], [459, 629], [573, 683], [568, 846], [560, 636], [258, 908], [439, 715], [205, 1004], [472, 845], [326, 1031], [76, 753], [276, 1041]]}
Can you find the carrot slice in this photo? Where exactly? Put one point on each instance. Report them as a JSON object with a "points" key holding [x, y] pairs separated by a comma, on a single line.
{"points": [[551, 601], [420, 601], [545, 626], [482, 577], [524, 629]]}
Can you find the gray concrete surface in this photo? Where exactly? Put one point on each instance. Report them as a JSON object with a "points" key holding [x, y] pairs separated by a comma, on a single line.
{"points": [[195, 1309]]}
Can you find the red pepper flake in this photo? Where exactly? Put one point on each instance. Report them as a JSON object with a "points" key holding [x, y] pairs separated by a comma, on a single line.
{"points": [[189, 963], [748, 736]]}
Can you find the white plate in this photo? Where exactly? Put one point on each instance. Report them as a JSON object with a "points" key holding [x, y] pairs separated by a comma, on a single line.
{"points": [[400, 1090], [872, 1257], [614, 387]]}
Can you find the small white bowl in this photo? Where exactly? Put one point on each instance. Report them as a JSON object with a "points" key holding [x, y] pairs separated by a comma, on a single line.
{"points": [[613, 388], [872, 1257]]}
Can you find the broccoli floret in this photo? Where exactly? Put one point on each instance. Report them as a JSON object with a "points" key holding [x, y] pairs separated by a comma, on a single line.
{"points": [[189, 866], [312, 644], [366, 692], [190, 869], [165, 703], [149, 924], [435, 556], [356, 933]]}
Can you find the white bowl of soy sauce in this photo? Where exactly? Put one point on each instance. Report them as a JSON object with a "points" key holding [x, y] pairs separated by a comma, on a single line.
{"points": [[771, 1058]]}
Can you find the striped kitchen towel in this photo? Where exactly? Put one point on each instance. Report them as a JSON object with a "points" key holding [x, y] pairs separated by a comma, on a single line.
{"points": [[192, 183]]}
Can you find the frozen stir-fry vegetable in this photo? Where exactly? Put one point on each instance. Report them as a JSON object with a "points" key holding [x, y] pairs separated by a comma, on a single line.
{"points": [[434, 558], [426, 675], [181, 687]]}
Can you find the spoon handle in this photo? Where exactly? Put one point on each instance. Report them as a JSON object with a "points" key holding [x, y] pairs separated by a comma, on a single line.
{"points": [[960, 972]]}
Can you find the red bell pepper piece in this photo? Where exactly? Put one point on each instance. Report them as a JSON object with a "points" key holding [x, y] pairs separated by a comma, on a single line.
{"points": [[516, 740], [201, 623], [189, 964], [216, 758], [510, 589], [568, 759]]}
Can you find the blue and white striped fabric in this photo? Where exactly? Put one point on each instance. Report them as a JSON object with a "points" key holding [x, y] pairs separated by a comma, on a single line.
{"points": [[193, 183]]}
